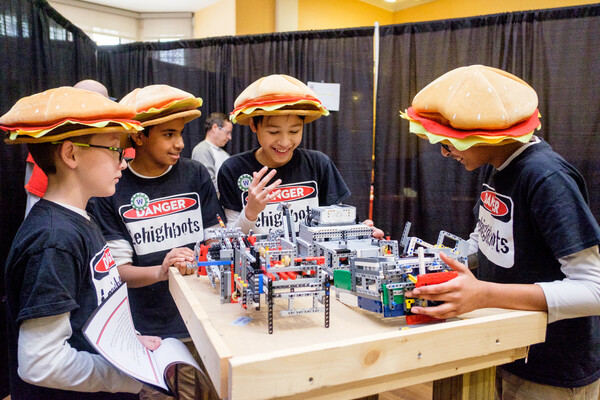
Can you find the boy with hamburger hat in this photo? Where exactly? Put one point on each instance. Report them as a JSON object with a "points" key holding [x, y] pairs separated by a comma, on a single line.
{"points": [[276, 107], [536, 238], [59, 268], [162, 207]]}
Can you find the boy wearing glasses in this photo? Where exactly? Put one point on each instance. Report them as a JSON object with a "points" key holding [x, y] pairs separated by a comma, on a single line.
{"points": [[536, 239], [209, 152], [162, 207], [60, 268]]}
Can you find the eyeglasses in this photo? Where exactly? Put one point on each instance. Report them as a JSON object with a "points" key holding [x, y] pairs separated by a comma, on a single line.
{"points": [[445, 147], [119, 150], [223, 129]]}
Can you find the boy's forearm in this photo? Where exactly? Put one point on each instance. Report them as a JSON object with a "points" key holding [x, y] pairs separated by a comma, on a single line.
{"points": [[47, 359], [139, 276], [514, 296]]}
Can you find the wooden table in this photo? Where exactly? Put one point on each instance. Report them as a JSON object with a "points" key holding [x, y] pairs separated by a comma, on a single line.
{"points": [[359, 354]]}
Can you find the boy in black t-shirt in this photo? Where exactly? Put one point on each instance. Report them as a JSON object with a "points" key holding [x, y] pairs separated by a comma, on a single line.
{"points": [[536, 239], [162, 207], [59, 268], [276, 108]]}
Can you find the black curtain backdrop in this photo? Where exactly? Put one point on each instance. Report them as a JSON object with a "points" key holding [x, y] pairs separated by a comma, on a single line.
{"points": [[219, 69], [41, 50], [556, 51]]}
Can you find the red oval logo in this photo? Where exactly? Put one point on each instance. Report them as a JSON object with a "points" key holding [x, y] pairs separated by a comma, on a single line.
{"points": [[106, 262], [292, 193], [493, 204], [161, 207]]}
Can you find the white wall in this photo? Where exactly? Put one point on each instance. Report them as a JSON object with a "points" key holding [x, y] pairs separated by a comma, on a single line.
{"points": [[215, 20], [109, 25]]}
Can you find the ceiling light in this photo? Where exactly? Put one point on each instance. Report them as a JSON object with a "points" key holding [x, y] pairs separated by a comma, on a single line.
{"points": [[390, 1]]}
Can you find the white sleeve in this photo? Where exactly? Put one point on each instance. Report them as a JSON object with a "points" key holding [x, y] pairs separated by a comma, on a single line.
{"points": [[238, 219], [46, 359], [121, 251], [210, 235], [473, 242], [578, 294]]}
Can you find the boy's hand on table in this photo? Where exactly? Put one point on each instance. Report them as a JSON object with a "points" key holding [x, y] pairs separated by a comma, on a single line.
{"points": [[179, 257], [150, 342], [460, 295], [259, 194], [377, 233]]}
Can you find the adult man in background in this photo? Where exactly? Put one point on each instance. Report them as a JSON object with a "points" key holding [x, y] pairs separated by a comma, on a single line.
{"points": [[209, 152]]}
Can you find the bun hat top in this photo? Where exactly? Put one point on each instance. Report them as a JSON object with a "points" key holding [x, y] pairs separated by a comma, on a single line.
{"points": [[64, 112], [475, 105], [156, 104], [277, 95]]}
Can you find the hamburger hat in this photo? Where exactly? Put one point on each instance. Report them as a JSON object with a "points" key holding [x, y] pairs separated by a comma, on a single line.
{"points": [[64, 112], [474, 105], [277, 95], [156, 104]]}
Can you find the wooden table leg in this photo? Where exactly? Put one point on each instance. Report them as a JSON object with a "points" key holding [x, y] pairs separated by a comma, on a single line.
{"points": [[474, 385]]}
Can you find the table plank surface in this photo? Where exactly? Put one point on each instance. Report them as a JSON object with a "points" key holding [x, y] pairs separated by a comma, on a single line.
{"points": [[359, 354]]}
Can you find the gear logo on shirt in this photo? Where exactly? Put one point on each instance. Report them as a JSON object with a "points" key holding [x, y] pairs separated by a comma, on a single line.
{"points": [[140, 201], [244, 182]]}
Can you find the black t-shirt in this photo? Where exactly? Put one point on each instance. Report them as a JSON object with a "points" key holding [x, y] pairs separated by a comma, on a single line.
{"points": [[529, 215], [308, 180], [59, 262], [156, 215]]}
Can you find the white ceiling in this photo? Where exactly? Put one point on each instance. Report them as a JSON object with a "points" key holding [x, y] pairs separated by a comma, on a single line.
{"points": [[147, 6]]}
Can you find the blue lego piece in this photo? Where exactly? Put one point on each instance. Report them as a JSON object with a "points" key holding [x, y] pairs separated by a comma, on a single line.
{"points": [[369, 304]]}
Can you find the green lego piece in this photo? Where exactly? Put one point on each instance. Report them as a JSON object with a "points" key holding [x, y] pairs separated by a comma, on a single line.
{"points": [[398, 298], [342, 279]]}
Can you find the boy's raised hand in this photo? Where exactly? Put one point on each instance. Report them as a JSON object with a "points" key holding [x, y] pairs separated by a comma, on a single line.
{"points": [[178, 257], [259, 194], [460, 295]]}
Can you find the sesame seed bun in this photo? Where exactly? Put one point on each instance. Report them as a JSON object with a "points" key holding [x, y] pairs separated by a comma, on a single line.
{"points": [[156, 104], [474, 105], [476, 97], [277, 95], [64, 112]]}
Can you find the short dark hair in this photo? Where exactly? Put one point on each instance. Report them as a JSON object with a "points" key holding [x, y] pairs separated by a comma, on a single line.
{"points": [[44, 153], [215, 118]]}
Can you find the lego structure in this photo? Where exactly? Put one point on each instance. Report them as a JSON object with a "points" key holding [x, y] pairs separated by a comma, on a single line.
{"points": [[330, 247]]}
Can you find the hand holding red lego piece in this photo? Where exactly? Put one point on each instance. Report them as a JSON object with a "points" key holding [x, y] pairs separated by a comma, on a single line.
{"points": [[259, 194], [460, 295]]}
